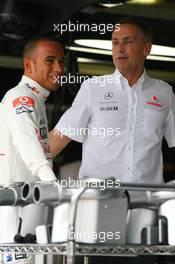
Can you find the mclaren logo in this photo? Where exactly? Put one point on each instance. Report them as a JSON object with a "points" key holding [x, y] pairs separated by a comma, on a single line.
{"points": [[108, 95]]}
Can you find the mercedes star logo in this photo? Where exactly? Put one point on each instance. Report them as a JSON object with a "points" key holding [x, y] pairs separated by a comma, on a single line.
{"points": [[108, 95]]}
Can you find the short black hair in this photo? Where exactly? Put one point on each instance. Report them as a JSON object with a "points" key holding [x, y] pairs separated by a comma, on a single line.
{"points": [[142, 26], [30, 46]]}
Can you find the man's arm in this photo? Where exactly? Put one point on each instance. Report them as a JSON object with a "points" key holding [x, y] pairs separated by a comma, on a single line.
{"points": [[72, 122], [57, 142], [23, 124], [170, 120]]}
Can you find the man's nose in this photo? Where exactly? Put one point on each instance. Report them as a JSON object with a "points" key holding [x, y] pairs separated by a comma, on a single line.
{"points": [[58, 66], [120, 47]]}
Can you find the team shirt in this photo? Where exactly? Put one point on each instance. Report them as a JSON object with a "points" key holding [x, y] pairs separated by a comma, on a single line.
{"points": [[122, 127]]}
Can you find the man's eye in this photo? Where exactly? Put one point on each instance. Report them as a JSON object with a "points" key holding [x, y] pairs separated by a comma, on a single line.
{"points": [[115, 43], [128, 42], [49, 60]]}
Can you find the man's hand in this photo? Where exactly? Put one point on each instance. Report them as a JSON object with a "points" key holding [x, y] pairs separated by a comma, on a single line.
{"points": [[57, 142]]}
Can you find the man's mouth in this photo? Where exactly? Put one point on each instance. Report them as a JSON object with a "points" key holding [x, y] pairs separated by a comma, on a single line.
{"points": [[121, 58], [55, 78]]}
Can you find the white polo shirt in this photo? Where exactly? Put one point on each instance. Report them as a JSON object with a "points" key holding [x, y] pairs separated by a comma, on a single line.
{"points": [[121, 128]]}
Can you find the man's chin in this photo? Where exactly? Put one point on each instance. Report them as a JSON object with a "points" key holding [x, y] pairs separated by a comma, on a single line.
{"points": [[122, 69], [55, 87]]}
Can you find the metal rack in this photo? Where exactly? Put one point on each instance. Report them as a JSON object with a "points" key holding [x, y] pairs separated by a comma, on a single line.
{"points": [[88, 250], [71, 248]]}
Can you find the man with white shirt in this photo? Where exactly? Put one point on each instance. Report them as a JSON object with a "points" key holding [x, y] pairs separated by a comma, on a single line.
{"points": [[133, 110], [24, 150]]}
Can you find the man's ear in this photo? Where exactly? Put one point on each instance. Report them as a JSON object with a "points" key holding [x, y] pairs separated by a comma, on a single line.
{"points": [[27, 65], [147, 50]]}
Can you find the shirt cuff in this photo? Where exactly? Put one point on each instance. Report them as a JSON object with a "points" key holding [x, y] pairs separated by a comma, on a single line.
{"points": [[45, 173]]}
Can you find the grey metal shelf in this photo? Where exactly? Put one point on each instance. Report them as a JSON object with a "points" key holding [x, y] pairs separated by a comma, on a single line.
{"points": [[54, 249], [128, 250], [88, 250]]}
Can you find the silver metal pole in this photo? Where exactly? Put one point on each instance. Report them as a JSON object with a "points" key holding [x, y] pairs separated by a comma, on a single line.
{"points": [[70, 248]]}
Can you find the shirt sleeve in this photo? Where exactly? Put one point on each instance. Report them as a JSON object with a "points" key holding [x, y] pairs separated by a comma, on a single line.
{"points": [[74, 121], [170, 121], [21, 113]]}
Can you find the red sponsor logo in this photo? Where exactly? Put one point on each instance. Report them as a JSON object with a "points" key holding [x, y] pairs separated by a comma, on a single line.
{"points": [[154, 101], [156, 104], [154, 98], [23, 100], [38, 136]]}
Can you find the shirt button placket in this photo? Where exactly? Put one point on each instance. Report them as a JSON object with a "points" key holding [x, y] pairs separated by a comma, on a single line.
{"points": [[131, 125]]}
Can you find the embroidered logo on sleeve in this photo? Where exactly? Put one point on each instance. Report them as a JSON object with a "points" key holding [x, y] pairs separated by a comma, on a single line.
{"points": [[154, 101], [23, 104], [44, 144], [32, 88], [43, 132]]}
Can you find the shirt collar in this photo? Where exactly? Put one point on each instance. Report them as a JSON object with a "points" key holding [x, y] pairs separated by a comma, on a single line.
{"points": [[119, 78], [35, 88]]}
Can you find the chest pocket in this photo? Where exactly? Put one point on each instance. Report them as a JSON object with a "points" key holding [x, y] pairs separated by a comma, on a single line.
{"points": [[153, 124]]}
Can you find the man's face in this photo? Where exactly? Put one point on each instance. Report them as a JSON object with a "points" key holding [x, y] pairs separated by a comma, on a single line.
{"points": [[129, 49], [46, 65]]}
